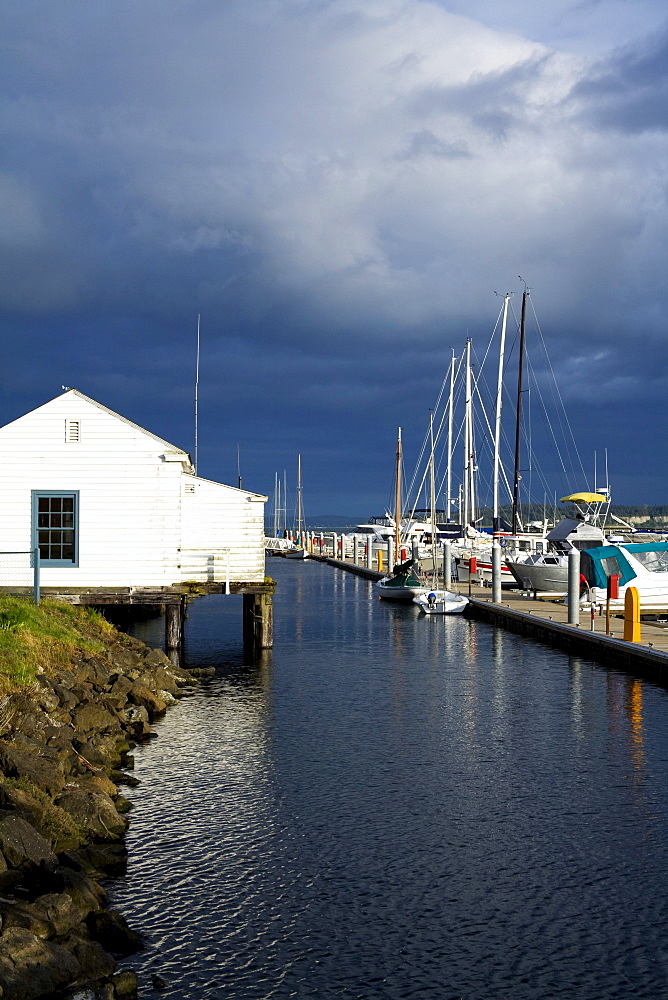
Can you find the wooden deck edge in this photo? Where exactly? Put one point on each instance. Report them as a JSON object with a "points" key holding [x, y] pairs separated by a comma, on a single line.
{"points": [[573, 638], [367, 574]]}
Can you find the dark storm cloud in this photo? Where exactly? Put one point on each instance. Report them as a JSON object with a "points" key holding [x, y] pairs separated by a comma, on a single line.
{"points": [[629, 91], [338, 188]]}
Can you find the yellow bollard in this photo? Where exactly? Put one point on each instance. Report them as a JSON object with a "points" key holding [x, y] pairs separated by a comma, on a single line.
{"points": [[632, 615], [380, 561]]}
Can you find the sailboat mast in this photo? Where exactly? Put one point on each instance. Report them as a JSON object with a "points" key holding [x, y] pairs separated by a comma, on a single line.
{"points": [[518, 417], [397, 501], [276, 504], [299, 495], [432, 491], [497, 428], [450, 405], [467, 435], [196, 393]]}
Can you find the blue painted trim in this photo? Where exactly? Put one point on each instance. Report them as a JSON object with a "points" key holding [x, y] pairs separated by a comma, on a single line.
{"points": [[56, 563]]}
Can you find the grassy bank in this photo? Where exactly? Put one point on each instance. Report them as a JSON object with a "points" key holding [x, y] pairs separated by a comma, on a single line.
{"points": [[38, 637]]}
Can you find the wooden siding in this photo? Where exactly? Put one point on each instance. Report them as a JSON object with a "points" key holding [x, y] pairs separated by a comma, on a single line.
{"points": [[130, 485], [222, 532]]}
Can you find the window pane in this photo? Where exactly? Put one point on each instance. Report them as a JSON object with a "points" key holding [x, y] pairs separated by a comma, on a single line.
{"points": [[55, 528]]}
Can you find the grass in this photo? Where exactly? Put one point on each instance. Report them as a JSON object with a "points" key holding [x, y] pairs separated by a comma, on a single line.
{"points": [[34, 637]]}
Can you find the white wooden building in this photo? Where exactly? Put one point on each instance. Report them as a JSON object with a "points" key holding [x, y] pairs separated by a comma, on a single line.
{"points": [[109, 504]]}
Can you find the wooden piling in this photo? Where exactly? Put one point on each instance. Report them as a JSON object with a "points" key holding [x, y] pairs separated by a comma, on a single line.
{"points": [[258, 623], [174, 615]]}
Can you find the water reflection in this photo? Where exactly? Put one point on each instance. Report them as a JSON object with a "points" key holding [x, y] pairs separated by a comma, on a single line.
{"points": [[394, 805]]}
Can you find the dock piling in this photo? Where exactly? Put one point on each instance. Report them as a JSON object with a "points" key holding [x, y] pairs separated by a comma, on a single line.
{"points": [[574, 587]]}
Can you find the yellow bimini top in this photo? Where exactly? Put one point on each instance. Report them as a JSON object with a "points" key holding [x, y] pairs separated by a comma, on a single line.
{"points": [[584, 498]]}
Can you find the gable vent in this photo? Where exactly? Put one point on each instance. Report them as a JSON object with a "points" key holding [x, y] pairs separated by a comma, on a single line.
{"points": [[72, 430], [189, 488]]}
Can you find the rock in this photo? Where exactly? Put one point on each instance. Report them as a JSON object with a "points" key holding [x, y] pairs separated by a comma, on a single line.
{"points": [[158, 983], [97, 671], [20, 843], [99, 860], [60, 911], [111, 929], [141, 695], [93, 716], [28, 916], [125, 985], [93, 812], [121, 778], [56, 826], [42, 768], [31, 967], [44, 695], [125, 660], [135, 718], [94, 962]]}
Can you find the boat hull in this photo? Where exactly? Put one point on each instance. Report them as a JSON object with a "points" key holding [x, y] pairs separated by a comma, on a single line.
{"points": [[441, 602], [540, 576], [390, 591]]}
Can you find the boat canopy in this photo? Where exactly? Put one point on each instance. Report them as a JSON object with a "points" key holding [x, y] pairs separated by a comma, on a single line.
{"points": [[584, 498], [596, 565], [607, 560]]}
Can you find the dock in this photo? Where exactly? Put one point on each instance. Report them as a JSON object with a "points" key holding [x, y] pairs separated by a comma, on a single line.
{"points": [[546, 620]]}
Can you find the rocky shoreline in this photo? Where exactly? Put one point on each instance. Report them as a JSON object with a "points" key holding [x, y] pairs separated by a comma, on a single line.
{"points": [[65, 749]]}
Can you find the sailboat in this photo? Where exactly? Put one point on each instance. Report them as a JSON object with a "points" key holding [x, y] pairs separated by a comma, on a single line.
{"points": [[437, 602], [299, 551], [401, 584]]}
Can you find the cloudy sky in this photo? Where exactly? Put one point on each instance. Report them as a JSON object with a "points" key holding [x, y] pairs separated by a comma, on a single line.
{"points": [[338, 188]]}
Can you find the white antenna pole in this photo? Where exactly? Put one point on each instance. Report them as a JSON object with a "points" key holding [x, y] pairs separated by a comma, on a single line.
{"points": [[196, 390]]}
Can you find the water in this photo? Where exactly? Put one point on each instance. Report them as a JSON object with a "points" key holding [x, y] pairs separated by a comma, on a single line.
{"points": [[393, 806]]}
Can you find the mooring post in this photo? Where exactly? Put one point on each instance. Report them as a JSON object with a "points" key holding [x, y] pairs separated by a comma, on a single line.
{"points": [[574, 587], [496, 572], [355, 550], [174, 614], [632, 630], [369, 554]]}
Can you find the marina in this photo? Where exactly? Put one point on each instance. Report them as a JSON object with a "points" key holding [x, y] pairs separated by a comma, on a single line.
{"points": [[547, 619], [389, 805]]}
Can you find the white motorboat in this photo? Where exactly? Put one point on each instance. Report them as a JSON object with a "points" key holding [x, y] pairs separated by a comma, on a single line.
{"points": [[441, 602], [548, 571], [643, 565]]}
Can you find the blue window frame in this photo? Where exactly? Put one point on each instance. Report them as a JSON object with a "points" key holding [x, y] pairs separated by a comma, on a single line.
{"points": [[55, 527]]}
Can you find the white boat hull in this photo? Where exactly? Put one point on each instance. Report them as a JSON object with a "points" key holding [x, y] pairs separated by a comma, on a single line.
{"points": [[541, 576], [441, 602]]}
